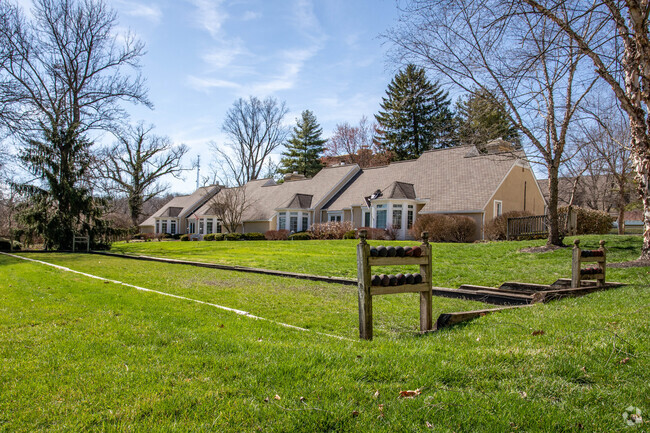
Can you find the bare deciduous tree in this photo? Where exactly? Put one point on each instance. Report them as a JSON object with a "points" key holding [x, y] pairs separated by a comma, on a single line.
{"points": [[481, 44], [357, 144], [135, 165], [617, 41], [64, 71], [66, 67], [254, 129], [608, 141], [229, 205]]}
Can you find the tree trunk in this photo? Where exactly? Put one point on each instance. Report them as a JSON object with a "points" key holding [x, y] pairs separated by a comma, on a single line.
{"points": [[621, 220], [554, 222], [642, 166], [641, 160]]}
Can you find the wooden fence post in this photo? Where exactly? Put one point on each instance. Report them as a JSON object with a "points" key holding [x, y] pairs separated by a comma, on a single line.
{"points": [[364, 277], [575, 264], [426, 302]]}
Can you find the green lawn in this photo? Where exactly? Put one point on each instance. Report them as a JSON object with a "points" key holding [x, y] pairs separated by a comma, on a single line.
{"points": [[79, 354], [453, 264]]}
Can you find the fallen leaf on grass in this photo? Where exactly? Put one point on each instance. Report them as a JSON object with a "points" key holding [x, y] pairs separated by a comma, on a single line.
{"points": [[410, 394], [277, 397], [624, 361], [376, 394], [523, 394], [303, 399], [536, 333], [266, 400], [429, 425], [355, 413]]}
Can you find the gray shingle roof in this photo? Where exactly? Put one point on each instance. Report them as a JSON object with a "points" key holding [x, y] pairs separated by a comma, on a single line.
{"points": [[265, 196], [301, 201], [182, 205], [450, 180]]}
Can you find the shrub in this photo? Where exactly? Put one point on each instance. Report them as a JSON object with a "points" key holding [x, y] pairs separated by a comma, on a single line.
{"points": [[497, 228], [254, 236], [100, 246], [209, 237], [185, 237], [350, 234], [176, 236], [137, 236], [233, 236], [300, 236], [463, 229], [330, 230], [590, 221], [276, 235], [373, 233], [5, 245], [444, 228], [166, 236]]}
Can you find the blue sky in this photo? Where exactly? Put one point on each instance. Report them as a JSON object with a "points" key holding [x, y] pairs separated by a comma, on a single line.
{"points": [[321, 55]]}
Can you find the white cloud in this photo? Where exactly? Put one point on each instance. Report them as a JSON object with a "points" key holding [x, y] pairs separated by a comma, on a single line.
{"points": [[220, 57], [288, 72], [149, 12], [251, 15], [210, 83], [209, 16]]}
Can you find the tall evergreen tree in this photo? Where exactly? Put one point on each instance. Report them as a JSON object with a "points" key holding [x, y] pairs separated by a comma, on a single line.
{"points": [[61, 203], [483, 117], [304, 147], [416, 115]]}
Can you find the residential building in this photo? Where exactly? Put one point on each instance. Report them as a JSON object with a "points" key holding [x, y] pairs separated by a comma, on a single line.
{"points": [[457, 180]]}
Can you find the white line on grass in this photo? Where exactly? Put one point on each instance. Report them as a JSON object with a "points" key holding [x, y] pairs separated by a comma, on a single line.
{"points": [[144, 289]]}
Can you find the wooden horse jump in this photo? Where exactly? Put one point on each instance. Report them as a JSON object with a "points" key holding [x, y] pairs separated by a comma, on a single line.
{"points": [[365, 262], [599, 257]]}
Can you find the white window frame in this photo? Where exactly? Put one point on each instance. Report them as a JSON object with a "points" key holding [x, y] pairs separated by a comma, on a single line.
{"points": [[498, 208], [295, 215], [332, 216], [301, 217], [365, 212], [282, 215]]}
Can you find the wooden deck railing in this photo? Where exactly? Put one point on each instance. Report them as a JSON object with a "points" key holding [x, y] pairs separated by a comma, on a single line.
{"points": [[535, 225]]}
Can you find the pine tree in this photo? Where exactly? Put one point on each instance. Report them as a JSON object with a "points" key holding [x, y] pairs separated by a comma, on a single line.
{"points": [[61, 202], [483, 117], [416, 115], [304, 147]]}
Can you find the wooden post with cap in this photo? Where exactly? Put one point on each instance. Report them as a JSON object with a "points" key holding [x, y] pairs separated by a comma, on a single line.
{"points": [[426, 302], [364, 277]]}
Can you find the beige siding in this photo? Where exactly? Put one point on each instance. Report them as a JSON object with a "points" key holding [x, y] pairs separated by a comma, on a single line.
{"points": [[357, 216], [511, 194], [258, 226]]}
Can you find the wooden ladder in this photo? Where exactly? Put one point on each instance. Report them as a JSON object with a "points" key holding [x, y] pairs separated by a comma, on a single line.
{"points": [[365, 262], [580, 256]]}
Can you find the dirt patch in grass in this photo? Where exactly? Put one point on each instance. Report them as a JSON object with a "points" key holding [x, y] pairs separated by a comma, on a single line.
{"points": [[638, 263], [542, 249]]}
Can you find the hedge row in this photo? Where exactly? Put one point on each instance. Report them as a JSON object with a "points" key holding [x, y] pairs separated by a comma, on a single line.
{"points": [[444, 228], [590, 222]]}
